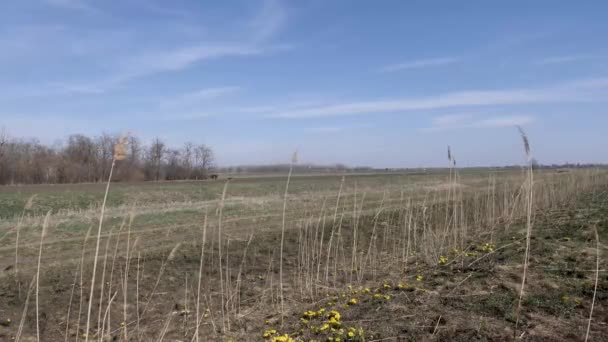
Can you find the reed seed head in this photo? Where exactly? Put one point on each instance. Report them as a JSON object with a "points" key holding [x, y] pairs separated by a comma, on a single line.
{"points": [[524, 138], [120, 149], [173, 252], [30, 202], [45, 224]]}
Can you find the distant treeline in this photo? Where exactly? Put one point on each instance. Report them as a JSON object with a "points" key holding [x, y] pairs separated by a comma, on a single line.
{"points": [[341, 168], [83, 159], [297, 168]]}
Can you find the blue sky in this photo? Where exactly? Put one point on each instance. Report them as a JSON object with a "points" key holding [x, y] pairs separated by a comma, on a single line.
{"points": [[382, 83]]}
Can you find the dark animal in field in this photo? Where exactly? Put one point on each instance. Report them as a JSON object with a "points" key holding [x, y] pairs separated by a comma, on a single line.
{"points": [[213, 177]]}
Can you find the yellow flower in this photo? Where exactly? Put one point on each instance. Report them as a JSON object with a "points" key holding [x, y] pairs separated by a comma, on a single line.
{"points": [[333, 314], [352, 301], [387, 286], [488, 247], [351, 334], [310, 314], [367, 290], [283, 338], [269, 332], [387, 297], [443, 260], [419, 277], [565, 298], [324, 327]]}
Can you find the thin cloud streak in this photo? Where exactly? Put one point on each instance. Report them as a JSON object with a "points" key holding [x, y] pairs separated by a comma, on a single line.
{"points": [[477, 122], [198, 96], [576, 91], [563, 59], [421, 63], [122, 65]]}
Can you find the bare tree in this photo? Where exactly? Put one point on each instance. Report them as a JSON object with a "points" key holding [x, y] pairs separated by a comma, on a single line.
{"points": [[204, 160], [157, 152], [87, 159]]}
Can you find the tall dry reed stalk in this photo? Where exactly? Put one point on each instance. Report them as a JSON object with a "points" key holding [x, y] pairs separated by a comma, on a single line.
{"points": [[200, 275], [219, 237], [529, 203], [45, 227], [294, 159], [28, 205], [119, 154], [25, 307], [597, 277]]}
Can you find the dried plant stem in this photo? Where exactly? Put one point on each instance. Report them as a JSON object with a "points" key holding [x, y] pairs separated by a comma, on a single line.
{"points": [[219, 237], [530, 194], [126, 279], [283, 241], [137, 295], [200, 275], [103, 276], [45, 226], [333, 227], [24, 314], [103, 208], [107, 313], [597, 276]]}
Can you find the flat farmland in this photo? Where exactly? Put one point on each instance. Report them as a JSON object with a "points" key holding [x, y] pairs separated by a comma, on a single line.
{"points": [[441, 252]]}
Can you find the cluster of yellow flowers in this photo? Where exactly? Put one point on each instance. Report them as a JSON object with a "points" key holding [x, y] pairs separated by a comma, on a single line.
{"points": [[381, 296], [269, 332], [488, 247], [274, 337], [443, 260], [576, 301]]}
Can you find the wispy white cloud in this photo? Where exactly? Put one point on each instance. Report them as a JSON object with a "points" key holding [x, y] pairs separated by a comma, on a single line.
{"points": [[325, 129], [269, 21], [563, 59], [71, 4], [420, 63], [198, 96], [336, 128], [451, 119], [575, 91], [112, 66], [504, 121], [460, 121]]}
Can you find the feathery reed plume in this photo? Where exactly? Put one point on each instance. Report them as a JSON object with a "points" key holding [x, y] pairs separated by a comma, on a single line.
{"points": [[119, 154], [597, 276], [45, 226], [524, 138], [530, 182], [120, 149], [294, 159]]}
